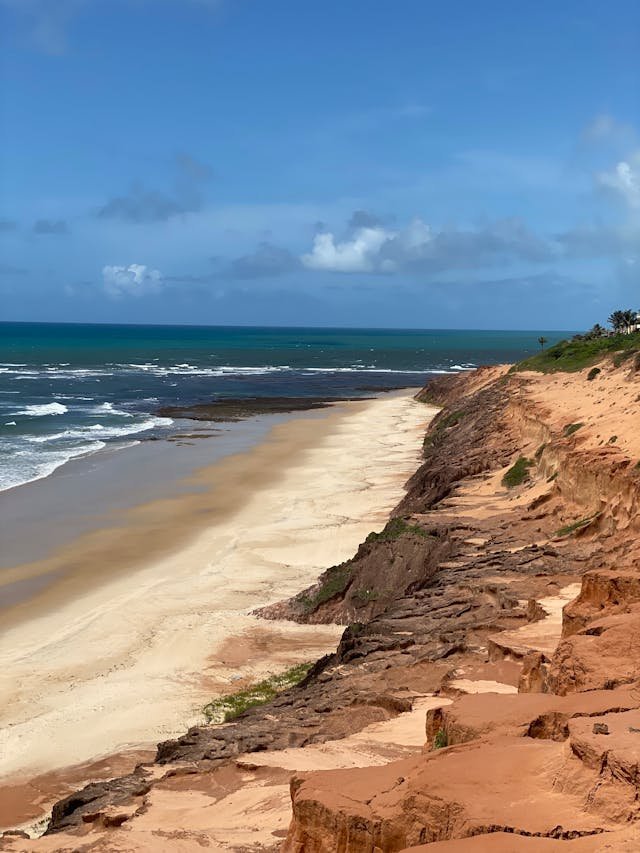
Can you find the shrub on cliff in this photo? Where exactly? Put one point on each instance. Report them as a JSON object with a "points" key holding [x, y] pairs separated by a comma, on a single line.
{"points": [[518, 473]]}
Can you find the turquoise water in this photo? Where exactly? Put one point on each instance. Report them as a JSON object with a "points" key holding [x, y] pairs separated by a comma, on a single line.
{"points": [[71, 390]]}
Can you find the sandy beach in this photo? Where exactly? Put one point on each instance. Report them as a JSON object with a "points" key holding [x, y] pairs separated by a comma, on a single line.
{"points": [[150, 619]]}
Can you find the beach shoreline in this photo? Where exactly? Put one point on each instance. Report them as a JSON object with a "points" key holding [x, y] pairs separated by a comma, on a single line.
{"points": [[96, 665]]}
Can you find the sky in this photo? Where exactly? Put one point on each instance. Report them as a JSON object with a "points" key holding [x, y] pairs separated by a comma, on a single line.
{"points": [[410, 163]]}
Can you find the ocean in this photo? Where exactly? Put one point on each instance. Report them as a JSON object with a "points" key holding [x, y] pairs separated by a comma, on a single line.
{"points": [[69, 390]]}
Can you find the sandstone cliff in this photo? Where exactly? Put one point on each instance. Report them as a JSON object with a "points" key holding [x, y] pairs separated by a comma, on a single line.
{"points": [[499, 612]]}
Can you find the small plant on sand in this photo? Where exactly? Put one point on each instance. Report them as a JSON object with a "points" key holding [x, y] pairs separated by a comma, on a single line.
{"points": [[593, 373], [518, 473], [613, 439], [440, 740], [538, 454], [570, 429], [577, 525], [227, 708]]}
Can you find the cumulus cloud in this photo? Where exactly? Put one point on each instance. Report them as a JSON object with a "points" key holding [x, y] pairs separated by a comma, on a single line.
{"points": [[143, 205], [624, 181], [360, 253], [418, 247], [134, 280], [50, 226]]}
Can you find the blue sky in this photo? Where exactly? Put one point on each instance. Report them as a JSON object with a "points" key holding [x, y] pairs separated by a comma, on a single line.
{"points": [[408, 163]]}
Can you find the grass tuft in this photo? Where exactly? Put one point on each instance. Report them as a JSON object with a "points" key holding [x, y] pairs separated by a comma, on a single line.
{"points": [[538, 454], [228, 708], [577, 525], [518, 473], [570, 429], [441, 740], [595, 371]]}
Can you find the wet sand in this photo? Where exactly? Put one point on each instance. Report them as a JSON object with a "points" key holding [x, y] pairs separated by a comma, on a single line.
{"points": [[132, 636]]}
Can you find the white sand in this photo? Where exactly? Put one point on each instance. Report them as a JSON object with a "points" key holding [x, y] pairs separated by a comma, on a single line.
{"points": [[123, 664]]}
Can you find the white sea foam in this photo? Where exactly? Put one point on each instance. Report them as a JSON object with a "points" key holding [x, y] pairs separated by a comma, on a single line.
{"points": [[98, 431], [28, 466], [110, 409], [42, 409]]}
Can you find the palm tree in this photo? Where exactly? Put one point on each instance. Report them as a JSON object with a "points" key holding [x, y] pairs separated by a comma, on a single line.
{"points": [[542, 341], [630, 320], [617, 320], [597, 331]]}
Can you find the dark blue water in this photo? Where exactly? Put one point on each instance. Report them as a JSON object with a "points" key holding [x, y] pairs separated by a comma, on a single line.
{"points": [[69, 390]]}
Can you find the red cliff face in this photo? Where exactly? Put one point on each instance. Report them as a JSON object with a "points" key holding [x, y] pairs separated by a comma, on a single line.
{"points": [[515, 599]]}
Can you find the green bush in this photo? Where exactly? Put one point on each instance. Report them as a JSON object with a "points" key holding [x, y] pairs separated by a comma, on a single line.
{"points": [[593, 373], [518, 473]]}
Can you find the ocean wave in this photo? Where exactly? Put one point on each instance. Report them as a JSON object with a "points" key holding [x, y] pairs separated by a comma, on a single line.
{"points": [[98, 431], [41, 409], [28, 466], [110, 409]]}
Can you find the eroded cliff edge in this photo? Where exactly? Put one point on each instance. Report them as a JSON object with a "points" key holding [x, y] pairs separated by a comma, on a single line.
{"points": [[500, 607]]}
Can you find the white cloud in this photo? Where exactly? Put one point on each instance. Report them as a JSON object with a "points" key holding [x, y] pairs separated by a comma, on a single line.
{"points": [[134, 280], [624, 180], [358, 254], [419, 248]]}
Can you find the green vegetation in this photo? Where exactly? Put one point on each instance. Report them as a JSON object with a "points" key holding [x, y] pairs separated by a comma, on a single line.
{"points": [[613, 439], [620, 358], [227, 708], [593, 373], [570, 429], [518, 473], [440, 740], [579, 353], [577, 525], [364, 596], [395, 528], [336, 580], [439, 426], [538, 454], [553, 477]]}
